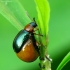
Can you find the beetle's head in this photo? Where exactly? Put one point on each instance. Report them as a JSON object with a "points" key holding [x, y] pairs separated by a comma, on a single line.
{"points": [[30, 27]]}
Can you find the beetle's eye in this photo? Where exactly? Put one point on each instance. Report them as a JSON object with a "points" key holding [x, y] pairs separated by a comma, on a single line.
{"points": [[33, 24]]}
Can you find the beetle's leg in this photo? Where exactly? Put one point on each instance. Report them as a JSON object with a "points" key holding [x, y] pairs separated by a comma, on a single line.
{"points": [[36, 29], [34, 19], [38, 44], [37, 34]]}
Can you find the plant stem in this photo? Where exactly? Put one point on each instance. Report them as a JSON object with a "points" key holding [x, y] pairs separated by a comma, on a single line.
{"points": [[45, 63], [43, 10]]}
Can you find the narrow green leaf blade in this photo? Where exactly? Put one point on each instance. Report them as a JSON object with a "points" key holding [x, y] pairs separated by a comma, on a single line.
{"points": [[64, 62], [13, 11], [43, 10]]}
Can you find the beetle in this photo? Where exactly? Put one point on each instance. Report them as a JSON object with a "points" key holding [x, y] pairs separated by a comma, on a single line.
{"points": [[25, 44]]}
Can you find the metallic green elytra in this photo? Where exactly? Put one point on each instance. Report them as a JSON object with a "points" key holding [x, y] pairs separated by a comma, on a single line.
{"points": [[23, 36], [20, 40]]}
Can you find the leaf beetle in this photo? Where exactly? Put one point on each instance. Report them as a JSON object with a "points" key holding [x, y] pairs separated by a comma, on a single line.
{"points": [[24, 43]]}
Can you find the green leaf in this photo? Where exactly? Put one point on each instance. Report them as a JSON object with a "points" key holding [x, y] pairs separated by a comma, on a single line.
{"points": [[64, 62], [13, 11], [43, 10]]}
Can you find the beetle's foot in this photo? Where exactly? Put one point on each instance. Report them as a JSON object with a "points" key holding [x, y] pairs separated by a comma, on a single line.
{"points": [[36, 29]]}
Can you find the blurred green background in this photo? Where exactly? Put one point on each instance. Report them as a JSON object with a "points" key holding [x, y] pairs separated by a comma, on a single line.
{"points": [[59, 37]]}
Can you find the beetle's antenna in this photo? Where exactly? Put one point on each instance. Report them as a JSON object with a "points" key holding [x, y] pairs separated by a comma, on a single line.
{"points": [[29, 16], [34, 19]]}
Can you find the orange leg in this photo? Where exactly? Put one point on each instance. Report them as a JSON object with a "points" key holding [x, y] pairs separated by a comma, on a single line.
{"points": [[37, 34], [38, 44], [36, 29]]}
